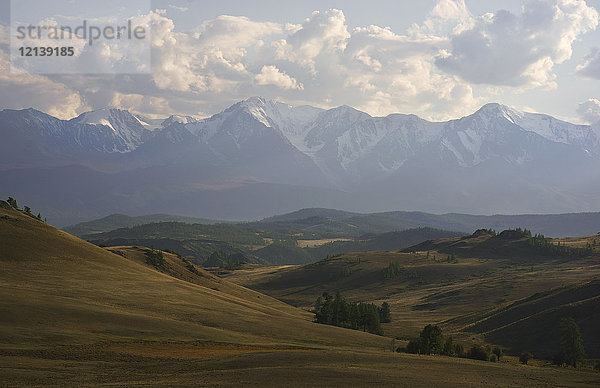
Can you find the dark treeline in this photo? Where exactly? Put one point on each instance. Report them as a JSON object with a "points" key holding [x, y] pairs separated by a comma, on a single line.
{"points": [[544, 244], [359, 316]]}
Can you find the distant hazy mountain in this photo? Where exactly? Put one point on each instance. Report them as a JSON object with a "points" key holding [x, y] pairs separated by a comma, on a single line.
{"points": [[261, 157], [116, 221], [357, 224], [336, 223]]}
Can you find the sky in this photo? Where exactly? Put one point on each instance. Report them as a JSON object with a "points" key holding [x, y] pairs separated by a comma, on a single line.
{"points": [[439, 59]]}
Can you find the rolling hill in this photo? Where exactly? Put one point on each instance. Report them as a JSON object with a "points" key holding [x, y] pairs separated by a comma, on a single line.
{"points": [[199, 242], [75, 314], [116, 221], [452, 280], [72, 287], [338, 223], [356, 224], [532, 322]]}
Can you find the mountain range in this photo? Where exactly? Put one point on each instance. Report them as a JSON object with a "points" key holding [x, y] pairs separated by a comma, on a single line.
{"points": [[261, 157]]}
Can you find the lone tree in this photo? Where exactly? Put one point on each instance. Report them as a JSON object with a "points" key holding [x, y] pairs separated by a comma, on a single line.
{"points": [[385, 314], [431, 340], [571, 345], [525, 357], [13, 202], [498, 352]]}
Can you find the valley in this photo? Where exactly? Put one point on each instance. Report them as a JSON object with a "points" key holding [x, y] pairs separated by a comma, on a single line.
{"points": [[451, 278], [300, 194], [132, 314]]}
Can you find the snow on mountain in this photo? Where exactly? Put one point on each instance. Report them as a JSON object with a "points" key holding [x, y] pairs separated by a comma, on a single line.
{"points": [[275, 156], [178, 119], [126, 131], [343, 142], [285, 119]]}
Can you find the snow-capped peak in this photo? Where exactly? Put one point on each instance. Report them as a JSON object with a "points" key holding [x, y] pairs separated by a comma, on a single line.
{"points": [[127, 130], [178, 119]]}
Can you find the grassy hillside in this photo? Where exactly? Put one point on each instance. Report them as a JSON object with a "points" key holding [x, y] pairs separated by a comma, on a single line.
{"points": [[532, 323], [197, 250], [290, 246], [436, 281], [75, 314], [57, 286]]}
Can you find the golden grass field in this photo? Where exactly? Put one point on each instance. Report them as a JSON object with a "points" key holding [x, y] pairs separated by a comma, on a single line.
{"points": [[74, 314], [430, 290]]}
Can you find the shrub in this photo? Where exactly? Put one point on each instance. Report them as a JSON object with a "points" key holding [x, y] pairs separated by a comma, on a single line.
{"points": [[559, 359], [448, 348], [478, 353], [525, 357], [155, 258], [459, 351], [13, 202], [414, 346], [493, 358], [498, 352]]}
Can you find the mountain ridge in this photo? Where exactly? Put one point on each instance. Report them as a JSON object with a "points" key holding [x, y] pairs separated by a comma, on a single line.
{"points": [[496, 160]]}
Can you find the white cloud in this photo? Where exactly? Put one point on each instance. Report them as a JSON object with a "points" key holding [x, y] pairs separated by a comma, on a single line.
{"points": [[429, 70], [591, 67], [323, 33], [589, 111], [20, 89], [178, 8], [271, 75], [502, 48], [447, 17]]}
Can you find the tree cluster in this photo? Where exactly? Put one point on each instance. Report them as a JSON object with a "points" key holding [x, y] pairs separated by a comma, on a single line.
{"points": [[394, 269], [432, 341], [13, 203], [155, 258], [546, 245], [359, 316]]}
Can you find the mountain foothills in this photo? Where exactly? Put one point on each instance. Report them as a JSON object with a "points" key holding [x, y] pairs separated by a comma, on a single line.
{"points": [[309, 234], [75, 314], [281, 158], [509, 289]]}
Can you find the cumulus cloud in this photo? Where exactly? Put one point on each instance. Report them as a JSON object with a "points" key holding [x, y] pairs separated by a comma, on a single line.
{"points": [[589, 111], [447, 17], [591, 67], [430, 69], [271, 75], [503, 48], [323, 33], [23, 90]]}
